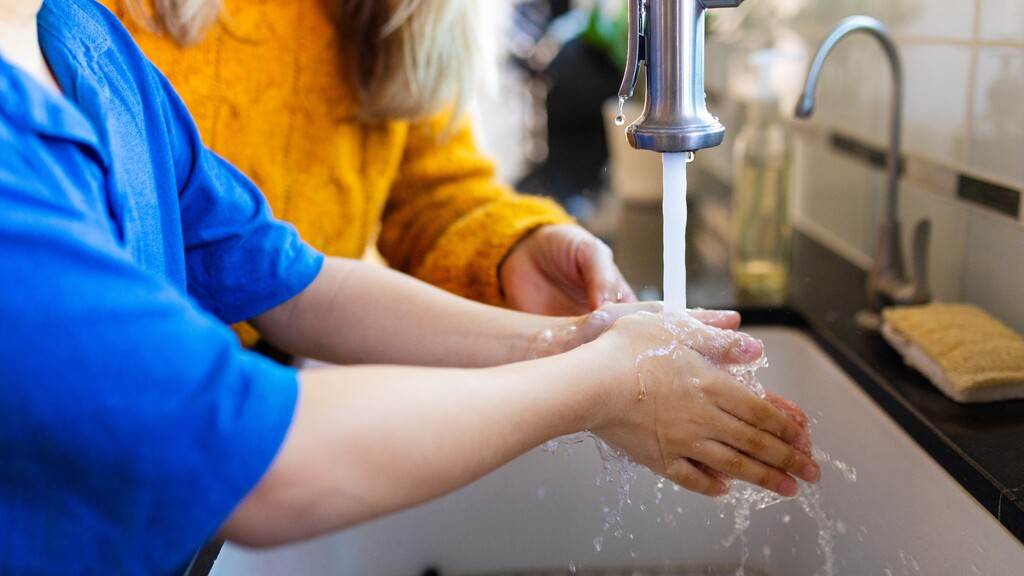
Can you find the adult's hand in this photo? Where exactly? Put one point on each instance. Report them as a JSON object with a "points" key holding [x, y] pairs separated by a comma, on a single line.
{"points": [[562, 270], [564, 334]]}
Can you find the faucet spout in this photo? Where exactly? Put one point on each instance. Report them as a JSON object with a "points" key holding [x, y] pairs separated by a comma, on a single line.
{"points": [[886, 282], [667, 36]]}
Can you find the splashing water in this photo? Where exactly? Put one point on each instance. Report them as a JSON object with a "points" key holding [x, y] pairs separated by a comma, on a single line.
{"points": [[745, 498], [617, 469], [822, 457]]}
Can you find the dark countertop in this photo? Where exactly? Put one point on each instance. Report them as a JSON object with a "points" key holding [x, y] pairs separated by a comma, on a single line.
{"points": [[979, 445]]}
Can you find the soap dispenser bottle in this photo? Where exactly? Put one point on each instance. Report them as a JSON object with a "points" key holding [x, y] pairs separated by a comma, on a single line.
{"points": [[761, 197]]}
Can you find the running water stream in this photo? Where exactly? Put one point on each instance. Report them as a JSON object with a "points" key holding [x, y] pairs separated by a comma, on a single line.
{"points": [[673, 207]]}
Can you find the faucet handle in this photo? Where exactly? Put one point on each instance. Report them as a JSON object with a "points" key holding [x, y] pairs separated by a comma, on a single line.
{"points": [[887, 285], [917, 291], [634, 49], [913, 290]]}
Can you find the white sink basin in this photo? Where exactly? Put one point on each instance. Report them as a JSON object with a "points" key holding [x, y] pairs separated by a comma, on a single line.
{"points": [[902, 515]]}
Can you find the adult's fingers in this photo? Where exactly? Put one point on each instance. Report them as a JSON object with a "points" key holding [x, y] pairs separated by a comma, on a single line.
{"points": [[768, 449], [738, 465], [723, 346], [792, 411], [693, 478], [603, 279], [747, 407], [724, 319]]}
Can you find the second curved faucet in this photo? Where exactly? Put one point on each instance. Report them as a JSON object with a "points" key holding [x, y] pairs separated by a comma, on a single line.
{"points": [[887, 284]]}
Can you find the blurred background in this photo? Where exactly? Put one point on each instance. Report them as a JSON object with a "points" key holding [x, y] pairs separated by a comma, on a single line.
{"points": [[963, 128]]}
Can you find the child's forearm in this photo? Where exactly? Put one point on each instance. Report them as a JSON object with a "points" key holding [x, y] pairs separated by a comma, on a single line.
{"points": [[359, 313], [366, 441]]}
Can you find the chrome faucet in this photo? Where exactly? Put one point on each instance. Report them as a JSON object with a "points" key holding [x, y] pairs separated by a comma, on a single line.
{"points": [[886, 282], [667, 36]]}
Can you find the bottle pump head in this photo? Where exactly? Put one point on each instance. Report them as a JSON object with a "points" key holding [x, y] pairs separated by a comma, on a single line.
{"points": [[667, 36]]}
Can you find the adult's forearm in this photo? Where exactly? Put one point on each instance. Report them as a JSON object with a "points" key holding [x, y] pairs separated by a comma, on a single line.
{"points": [[358, 313]]}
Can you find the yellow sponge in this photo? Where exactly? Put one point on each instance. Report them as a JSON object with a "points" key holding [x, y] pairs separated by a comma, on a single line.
{"points": [[966, 353]]}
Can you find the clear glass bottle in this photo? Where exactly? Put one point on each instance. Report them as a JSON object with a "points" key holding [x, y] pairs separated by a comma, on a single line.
{"points": [[762, 193]]}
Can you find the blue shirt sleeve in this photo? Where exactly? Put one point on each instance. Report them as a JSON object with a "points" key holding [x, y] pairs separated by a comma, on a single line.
{"points": [[131, 421], [239, 261], [228, 227]]}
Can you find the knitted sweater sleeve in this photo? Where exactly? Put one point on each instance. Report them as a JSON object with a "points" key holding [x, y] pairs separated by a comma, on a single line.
{"points": [[448, 220]]}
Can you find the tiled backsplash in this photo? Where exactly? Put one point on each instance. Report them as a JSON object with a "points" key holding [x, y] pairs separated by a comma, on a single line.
{"points": [[963, 63]]}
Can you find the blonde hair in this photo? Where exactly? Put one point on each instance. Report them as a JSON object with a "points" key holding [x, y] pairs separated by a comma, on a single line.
{"points": [[186, 21], [409, 58], [414, 58]]}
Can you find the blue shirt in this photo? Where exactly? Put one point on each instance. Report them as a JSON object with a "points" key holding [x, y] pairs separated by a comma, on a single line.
{"points": [[131, 421]]}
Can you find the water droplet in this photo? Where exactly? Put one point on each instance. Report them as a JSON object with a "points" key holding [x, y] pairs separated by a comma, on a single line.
{"points": [[690, 155], [598, 541], [621, 118], [572, 567]]}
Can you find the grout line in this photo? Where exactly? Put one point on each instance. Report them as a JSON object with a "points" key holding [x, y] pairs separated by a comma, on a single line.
{"points": [[975, 41], [972, 79]]}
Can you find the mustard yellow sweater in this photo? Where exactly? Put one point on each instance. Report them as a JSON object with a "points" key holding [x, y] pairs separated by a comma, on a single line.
{"points": [[268, 90]]}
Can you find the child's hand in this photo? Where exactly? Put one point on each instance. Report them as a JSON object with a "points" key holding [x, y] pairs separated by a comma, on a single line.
{"points": [[674, 410]]}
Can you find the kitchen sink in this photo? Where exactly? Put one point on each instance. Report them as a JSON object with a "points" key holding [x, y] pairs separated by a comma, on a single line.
{"points": [[885, 507]]}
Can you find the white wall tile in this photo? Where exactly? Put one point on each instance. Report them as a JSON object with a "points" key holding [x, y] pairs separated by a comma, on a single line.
{"points": [[1002, 20], [937, 19], [823, 14], [997, 137], [937, 88], [839, 196], [994, 270]]}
